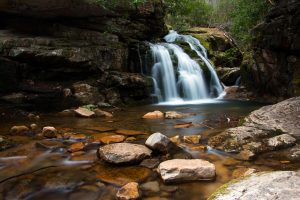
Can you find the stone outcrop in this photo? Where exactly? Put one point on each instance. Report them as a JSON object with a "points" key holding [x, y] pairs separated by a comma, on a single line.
{"points": [[222, 51], [123, 153], [181, 170], [276, 70], [62, 53], [266, 129], [268, 186]]}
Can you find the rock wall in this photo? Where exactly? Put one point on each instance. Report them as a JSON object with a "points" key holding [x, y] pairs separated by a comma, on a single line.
{"points": [[276, 44], [59, 53]]}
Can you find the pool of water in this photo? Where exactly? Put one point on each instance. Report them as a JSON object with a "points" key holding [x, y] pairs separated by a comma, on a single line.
{"points": [[28, 171]]}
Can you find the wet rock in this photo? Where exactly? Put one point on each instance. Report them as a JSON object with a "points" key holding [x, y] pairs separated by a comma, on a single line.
{"points": [[130, 132], [84, 112], [48, 144], [160, 142], [192, 139], [129, 191], [33, 126], [201, 148], [19, 130], [175, 115], [240, 172], [150, 163], [49, 132], [266, 129], [150, 187], [246, 155], [267, 186], [118, 175], [131, 139], [101, 113], [154, 115], [184, 125], [294, 153], [75, 136], [122, 153], [86, 94], [176, 139], [76, 147], [67, 113], [181, 170], [5, 143], [112, 139], [281, 141]]}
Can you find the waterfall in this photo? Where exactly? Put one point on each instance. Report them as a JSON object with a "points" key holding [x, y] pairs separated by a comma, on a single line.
{"points": [[177, 77], [215, 84]]}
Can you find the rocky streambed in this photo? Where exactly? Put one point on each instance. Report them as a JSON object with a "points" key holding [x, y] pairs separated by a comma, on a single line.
{"points": [[175, 152]]}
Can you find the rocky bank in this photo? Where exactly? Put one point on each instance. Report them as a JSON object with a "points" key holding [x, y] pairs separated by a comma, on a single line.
{"points": [[64, 53]]}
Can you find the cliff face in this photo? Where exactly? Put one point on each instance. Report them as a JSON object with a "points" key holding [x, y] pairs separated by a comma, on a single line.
{"points": [[276, 71], [58, 53]]}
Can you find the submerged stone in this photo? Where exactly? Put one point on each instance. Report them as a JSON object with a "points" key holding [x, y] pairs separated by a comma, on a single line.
{"points": [[119, 175], [192, 139], [130, 132], [130, 191], [112, 139], [122, 153]]}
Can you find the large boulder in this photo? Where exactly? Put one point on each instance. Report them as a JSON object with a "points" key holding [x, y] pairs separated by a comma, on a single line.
{"points": [[268, 128], [181, 170], [267, 186], [123, 153]]}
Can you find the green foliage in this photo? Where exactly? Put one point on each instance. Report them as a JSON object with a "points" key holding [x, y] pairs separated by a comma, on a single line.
{"points": [[183, 14], [239, 17], [236, 16]]}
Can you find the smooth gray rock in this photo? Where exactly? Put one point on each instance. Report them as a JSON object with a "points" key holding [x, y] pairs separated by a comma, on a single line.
{"points": [[160, 142], [122, 153], [266, 186], [181, 170]]}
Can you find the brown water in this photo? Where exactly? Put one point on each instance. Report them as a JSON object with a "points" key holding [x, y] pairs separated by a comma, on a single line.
{"points": [[28, 171]]}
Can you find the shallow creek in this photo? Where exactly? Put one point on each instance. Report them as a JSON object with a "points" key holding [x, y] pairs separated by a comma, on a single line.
{"points": [[30, 171]]}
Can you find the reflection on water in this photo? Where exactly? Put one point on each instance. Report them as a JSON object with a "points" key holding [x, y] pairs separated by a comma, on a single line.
{"points": [[28, 171]]}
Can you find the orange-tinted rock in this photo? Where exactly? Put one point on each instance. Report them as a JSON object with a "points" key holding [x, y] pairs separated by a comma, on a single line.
{"points": [[130, 132], [76, 147], [121, 175], [184, 125], [154, 115], [130, 191], [112, 139], [77, 137], [192, 139]]}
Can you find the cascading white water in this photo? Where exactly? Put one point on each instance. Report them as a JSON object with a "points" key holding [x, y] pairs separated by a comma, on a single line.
{"points": [[190, 84], [163, 73], [215, 84]]}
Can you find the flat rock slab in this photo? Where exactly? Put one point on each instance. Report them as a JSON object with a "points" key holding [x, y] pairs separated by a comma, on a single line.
{"points": [[182, 170], [122, 153], [266, 186], [84, 112]]}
